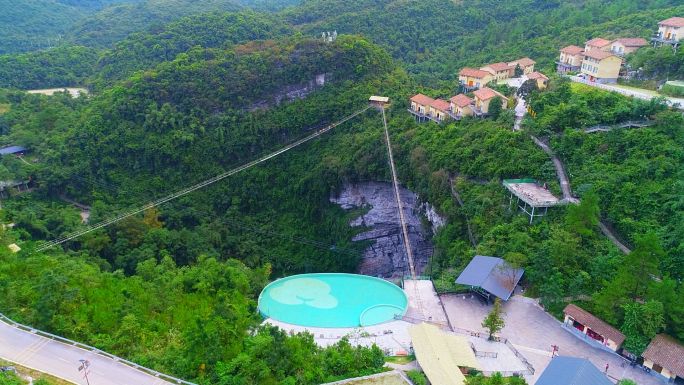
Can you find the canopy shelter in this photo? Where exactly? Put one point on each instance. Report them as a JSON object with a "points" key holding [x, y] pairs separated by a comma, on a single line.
{"points": [[490, 276], [441, 355], [572, 371], [531, 196], [12, 150]]}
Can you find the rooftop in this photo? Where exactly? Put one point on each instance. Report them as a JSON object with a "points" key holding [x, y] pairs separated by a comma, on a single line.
{"points": [[572, 50], [666, 352], [498, 67], [378, 99], [486, 93], [523, 62], [440, 104], [529, 191], [673, 22], [475, 73], [492, 274], [422, 99], [632, 41], [596, 324], [598, 55], [537, 75], [572, 371], [461, 100], [12, 150], [598, 42]]}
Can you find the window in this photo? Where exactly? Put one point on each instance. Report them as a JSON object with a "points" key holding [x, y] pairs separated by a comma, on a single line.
{"points": [[657, 368]]}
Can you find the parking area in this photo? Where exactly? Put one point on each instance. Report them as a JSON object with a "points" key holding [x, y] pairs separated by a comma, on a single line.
{"points": [[532, 332]]}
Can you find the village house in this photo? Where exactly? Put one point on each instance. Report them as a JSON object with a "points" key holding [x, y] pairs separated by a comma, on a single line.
{"points": [[670, 31], [541, 79], [586, 324], [627, 45], [483, 98], [665, 355], [570, 60], [601, 66], [499, 71], [526, 64], [472, 79], [461, 106], [597, 44], [439, 110], [420, 105]]}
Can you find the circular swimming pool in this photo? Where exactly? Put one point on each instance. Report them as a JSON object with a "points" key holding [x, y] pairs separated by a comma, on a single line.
{"points": [[332, 300]]}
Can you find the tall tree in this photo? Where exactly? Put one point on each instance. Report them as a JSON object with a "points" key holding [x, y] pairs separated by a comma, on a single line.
{"points": [[494, 321]]}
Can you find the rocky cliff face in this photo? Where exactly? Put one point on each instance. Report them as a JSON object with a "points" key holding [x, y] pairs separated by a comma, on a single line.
{"points": [[386, 257]]}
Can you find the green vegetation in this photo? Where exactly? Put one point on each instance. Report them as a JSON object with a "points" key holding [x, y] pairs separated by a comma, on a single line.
{"points": [[496, 379], [57, 67], [417, 377], [494, 321]]}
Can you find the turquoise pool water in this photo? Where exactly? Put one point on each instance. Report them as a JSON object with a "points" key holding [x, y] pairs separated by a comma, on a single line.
{"points": [[332, 300]]}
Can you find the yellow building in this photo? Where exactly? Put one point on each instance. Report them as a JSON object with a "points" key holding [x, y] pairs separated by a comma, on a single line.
{"points": [[439, 110], [597, 44], [541, 79], [526, 64], [624, 46], [461, 106], [665, 355], [420, 104], [601, 66], [483, 98], [570, 59], [499, 71], [670, 31], [471, 78]]}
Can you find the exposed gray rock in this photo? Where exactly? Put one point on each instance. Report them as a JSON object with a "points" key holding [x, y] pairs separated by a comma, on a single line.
{"points": [[386, 257]]}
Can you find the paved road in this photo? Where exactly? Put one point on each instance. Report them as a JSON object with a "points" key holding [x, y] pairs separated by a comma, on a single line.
{"points": [[61, 360], [560, 171], [646, 95], [532, 331]]}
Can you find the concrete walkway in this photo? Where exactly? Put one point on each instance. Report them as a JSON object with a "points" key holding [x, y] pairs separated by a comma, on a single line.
{"points": [[641, 94], [532, 331], [62, 361]]}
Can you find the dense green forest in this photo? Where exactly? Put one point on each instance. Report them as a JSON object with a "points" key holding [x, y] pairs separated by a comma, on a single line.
{"points": [[183, 91]]}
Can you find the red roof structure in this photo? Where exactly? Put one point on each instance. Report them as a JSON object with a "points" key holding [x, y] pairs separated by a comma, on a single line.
{"points": [[498, 67], [632, 41], [523, 62], [572, 50], [440, 104], [673, 22], [598, 42], [422, 99], [666, 352], [537, 75], [598, 55], [474, 73], [461, 100], [486, 93], [594, 323]]}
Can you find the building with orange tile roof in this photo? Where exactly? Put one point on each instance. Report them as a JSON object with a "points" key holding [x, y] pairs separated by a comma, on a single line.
{"points": [[570, 59], [499, 71], [461, 106], [439, 110], [597, 43], [670, 31], [601, 66], [525, 63], [471, 78], [541, 79], [483, 98], [627, 45], [665, 355]]}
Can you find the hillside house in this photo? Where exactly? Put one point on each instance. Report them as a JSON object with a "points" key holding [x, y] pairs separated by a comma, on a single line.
{"points": [[627, 45], [499, 71], [472, 79], [439, 110], [541, 79], [461, 106], [483, 98], [670, 31], [570, 59], [597, 44], [665, 356], [582, 322], [526, 64], [420, 105], [601, 66]]}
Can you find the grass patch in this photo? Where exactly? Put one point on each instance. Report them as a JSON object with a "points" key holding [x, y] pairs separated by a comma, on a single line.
{"points": [[400, 360], [36, 375], [4, 108]]}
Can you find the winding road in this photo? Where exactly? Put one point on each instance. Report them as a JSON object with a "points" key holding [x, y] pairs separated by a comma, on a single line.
{"points": [[61, 360]]}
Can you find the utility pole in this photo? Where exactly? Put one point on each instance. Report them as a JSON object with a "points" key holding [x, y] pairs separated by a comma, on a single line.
{"points": [[85, 364]]}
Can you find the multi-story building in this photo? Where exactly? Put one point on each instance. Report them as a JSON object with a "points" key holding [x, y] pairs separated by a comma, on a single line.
{"points": [[526, 64], [541, 79], [597, 44], [670, 31], [570, 59], [461, 106], [601, 66], [499, 71], [472, 79], [483, 99], [627, 45]]}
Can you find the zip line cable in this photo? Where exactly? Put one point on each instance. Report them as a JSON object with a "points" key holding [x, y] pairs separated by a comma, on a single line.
{"points": [[47, 245]]}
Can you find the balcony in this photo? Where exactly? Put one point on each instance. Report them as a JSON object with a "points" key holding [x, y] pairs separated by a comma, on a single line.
{"points": [[659, 38], [563, 67], [424, 116]]}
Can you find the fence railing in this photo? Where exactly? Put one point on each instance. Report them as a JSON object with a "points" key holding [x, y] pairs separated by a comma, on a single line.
{"points": [[627, 124], [93, 350], [530, 368]]}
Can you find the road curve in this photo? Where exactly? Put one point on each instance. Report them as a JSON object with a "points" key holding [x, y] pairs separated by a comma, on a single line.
{"points": [[61, 360]]}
